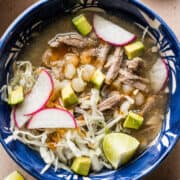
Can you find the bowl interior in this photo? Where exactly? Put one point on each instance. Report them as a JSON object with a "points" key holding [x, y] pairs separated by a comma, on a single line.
{"points": [[33, 20]]}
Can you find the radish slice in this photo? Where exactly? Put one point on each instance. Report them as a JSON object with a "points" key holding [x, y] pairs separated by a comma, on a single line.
{"points": [[39, 95], [111, 33], [158, 75], [18, 117], [35, 100], [52, 118]]}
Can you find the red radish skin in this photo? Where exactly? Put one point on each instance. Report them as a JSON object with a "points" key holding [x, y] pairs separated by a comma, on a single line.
{"points": [[15, 118], [114, 44], [52, 87], [61, 109], [70, 114], [128, 41], [167, 76]]}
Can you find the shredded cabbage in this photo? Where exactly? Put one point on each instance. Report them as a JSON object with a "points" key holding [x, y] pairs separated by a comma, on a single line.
{"points": [[23, 75], [4, 93], [144, 33], [47, 166], [94, 119], [72, 146], [96, 164], [47, 155], [111, 123]]}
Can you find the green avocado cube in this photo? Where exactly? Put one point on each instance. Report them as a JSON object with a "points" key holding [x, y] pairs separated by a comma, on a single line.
{"points": [[134, 49], [68, 96], [16, 96], [81, 165], [82, 24], [97, 79], [133, 121]]}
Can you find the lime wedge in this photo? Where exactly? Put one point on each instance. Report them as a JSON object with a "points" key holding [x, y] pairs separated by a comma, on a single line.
{"points": [[119, 148], [14, 176]]}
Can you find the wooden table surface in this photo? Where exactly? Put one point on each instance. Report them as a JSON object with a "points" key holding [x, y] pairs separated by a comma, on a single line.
{"points": [[170, 11]]}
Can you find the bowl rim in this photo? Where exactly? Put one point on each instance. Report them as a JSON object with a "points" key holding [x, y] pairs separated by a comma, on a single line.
{"points": [[137, 3]]}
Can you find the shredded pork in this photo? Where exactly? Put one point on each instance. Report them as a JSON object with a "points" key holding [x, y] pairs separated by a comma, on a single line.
{"points": [[110, 102], [115, 65], [72, 39]]}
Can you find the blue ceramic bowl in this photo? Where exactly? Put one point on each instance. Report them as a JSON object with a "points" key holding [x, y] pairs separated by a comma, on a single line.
{"points": [[36, 17]]}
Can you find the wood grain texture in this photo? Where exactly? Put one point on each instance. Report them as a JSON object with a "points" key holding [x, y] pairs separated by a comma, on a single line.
{"points": [[169, 11], [10, 9]]}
